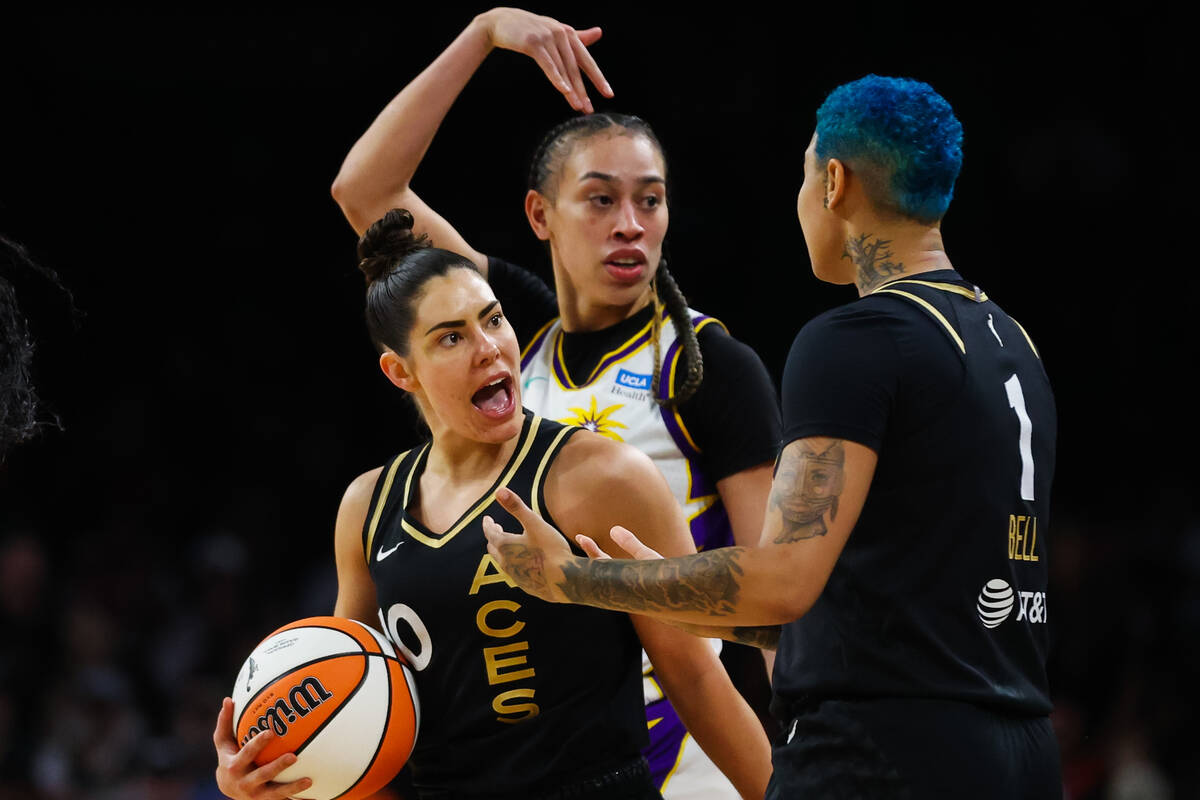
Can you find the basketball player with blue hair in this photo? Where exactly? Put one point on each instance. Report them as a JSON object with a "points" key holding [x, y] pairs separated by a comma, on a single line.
{"points": [[902, 565]]}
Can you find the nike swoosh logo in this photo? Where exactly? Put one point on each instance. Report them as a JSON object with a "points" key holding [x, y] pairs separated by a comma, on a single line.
{"points": [[385, 553]]}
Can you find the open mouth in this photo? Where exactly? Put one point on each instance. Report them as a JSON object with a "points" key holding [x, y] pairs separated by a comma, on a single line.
{"points": [[496, 399]]}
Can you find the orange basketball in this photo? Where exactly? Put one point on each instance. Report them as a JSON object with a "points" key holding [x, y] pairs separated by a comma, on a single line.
{"points": [[336, 693]]}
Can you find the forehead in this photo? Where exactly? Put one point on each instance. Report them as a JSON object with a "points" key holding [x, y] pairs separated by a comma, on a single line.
{"points": [[459, 294], [621, 155]]}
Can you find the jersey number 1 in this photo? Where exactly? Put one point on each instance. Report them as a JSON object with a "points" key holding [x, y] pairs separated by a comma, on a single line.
{"points": [[1016, 401]]}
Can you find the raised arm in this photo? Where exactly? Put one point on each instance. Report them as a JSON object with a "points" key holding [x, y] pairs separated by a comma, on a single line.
{"points": [[816, 497], [375, 176], [596, 483]]}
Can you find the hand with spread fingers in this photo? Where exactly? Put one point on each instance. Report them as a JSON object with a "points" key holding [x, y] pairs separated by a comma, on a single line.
{"points": [[238, 777], [533, 560]]}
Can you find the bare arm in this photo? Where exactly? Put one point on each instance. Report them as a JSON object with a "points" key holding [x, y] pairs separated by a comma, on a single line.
{"points": [[765, 637], [237, 775], [376, 173], [816, 497], [595, 483]]}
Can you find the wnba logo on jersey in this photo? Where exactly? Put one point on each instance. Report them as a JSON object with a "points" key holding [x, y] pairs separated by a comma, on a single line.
{"points": [[997, 600]]}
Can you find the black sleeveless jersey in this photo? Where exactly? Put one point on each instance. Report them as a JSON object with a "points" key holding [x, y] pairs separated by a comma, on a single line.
{"points": [[516, 694], [940, 590]]}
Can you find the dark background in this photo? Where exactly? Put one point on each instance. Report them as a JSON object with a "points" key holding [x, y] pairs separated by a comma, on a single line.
{"points": [[217, 391]]}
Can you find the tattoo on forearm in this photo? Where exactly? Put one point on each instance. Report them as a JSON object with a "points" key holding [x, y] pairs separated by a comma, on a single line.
{"points": [[525, 565], [705, 582], [872, 260], [808, 483], [764, 637]]}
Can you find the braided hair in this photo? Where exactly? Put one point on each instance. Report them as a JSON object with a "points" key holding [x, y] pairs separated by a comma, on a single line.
{"points": [[20, 407], [547, 162]]}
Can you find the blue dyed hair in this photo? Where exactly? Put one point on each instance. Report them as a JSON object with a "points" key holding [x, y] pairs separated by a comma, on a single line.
{"points": [[904, 132]]}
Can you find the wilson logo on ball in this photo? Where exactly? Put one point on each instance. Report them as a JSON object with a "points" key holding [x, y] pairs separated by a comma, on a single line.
{"points": [[303, 697]]}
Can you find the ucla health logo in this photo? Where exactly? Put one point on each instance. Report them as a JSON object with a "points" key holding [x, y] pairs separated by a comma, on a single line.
{"points": [[632, 380]]}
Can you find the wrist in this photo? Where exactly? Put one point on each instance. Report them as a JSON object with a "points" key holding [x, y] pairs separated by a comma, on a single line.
{"points": [[483, 26]]}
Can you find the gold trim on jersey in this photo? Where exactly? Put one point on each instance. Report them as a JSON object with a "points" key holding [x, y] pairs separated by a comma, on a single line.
{"points": [[933, 311], [439, 540], [603, 364], [670, 388], [978, 296], [383, 495], [537, 476], [678, 758], [537, 338], [1032, 347]]}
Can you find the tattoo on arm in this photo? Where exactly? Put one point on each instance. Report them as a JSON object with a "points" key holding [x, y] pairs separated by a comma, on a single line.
{"points": [[764, 637], [872, 260], [525, 565], [706, 582], [807, 484]]}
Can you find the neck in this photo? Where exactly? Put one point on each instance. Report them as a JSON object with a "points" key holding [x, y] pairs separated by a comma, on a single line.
{"points": [[884, 252], [456, 458], [581, 313]]}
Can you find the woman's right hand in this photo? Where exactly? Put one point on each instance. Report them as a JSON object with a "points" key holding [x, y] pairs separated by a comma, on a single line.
{"points": [[238, 776], [560, 50]]}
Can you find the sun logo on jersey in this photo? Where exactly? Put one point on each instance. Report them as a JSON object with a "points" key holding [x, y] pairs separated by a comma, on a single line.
{"points": [[597, 421]]}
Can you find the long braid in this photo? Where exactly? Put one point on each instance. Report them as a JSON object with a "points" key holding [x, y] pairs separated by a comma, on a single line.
{"points": [[668, 291]]}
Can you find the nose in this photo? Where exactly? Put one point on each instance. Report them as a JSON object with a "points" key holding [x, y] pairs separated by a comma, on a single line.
{"points": [[489, 349], [628, 226]]}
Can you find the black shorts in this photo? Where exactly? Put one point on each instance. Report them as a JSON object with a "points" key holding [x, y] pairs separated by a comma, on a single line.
{"points": [[889, 749], [629, 780]]}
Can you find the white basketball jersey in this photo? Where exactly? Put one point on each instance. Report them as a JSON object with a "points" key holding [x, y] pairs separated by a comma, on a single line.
{"points": [[616, 401]]}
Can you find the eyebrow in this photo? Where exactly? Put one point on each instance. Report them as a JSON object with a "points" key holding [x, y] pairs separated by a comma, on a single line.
{"points": [[604, 176], [458, 323]]}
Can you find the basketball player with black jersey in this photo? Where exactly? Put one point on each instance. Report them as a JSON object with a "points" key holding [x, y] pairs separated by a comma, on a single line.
{"points": [[904, 551], [520, 698]]}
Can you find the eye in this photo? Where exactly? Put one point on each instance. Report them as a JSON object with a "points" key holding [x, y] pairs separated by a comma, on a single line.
{"points": [[495, 320], [601, 200], [652, 201], [450, 339]]}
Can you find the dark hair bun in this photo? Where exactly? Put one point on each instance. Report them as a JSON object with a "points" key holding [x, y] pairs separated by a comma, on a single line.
{"points": [[386, 242]]}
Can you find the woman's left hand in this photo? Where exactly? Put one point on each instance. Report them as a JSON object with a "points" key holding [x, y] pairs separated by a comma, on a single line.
{"points": [[534, 560]]}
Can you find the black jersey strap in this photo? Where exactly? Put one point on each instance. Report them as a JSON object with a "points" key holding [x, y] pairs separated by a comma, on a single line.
{"points": [[383, 488], [930, 309]]}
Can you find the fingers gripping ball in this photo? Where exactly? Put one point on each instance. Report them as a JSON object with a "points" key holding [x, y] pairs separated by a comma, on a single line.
{"points": [[335, 693]]}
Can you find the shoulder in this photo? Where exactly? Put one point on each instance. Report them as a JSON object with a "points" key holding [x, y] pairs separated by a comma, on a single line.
{"points": [[356, 500], [609, 465]]}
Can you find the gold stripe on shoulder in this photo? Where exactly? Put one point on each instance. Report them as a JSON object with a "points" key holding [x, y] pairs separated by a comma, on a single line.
{"points": [[944, 287], [537, 476], [537, 337], [936, 314], [1032, 347], [382, 501], [522, 452]]}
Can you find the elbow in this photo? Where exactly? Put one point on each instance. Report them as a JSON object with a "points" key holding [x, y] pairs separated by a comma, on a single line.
{"points": [[341, 189]]}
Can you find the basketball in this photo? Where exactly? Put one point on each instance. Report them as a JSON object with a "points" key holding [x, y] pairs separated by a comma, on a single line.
{"points": [[335, 693]]}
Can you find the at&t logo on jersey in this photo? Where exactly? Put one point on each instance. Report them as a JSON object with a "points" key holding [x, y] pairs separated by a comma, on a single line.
{"points": [[997, 600]]}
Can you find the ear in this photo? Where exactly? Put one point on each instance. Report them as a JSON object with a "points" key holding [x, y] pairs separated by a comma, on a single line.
{"points": [[397, 371], [835, 183], [535, 212]]}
